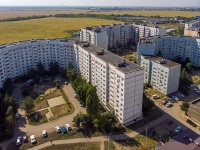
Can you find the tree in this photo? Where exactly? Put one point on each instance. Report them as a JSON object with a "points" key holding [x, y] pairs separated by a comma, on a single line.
{"points": [[54, 68], [9, 111], [40, 69], [27, 104], [188, 67], [10, 120], [92, 102], [185, 107], [183, 73], [81, 92]]}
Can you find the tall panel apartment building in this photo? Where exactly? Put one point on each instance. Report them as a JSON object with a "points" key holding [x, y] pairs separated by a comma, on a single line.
{"points": [[17, 58], [119, 84], [118, 34], [163, 75], [192, 28], [171, 47]]}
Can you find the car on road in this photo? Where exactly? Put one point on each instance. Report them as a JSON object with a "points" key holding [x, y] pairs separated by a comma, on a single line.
{"points": [[58, 130], [16, 99], [169, 122], [169, 105], [63, 129], [164, 102], [155, 97], [44, 133], [16, 115], [19, 140], [33, 139], [196, 90], [25, 138], [68, 127], [74, 94], [191, 123], [178, 129]]}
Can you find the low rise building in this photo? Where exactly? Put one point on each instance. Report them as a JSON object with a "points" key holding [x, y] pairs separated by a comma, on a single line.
{"points": [[163, 75], [194, 111]]}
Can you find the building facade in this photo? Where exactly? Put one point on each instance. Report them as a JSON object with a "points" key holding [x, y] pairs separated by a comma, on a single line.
{"points": [[163, 75], [192, 28], [119, 84], [171, 47], [118, 35], [17, 58]]}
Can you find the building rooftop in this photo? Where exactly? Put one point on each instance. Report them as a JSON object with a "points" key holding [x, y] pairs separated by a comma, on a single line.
{"points": [[164, 62], [118, 62], [196, 102], [185, 140]]}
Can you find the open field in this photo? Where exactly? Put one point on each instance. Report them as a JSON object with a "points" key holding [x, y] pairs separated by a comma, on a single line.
{"points": [[45, 28], [75, 146], [172, 25], [164, 13], [8, 13]]}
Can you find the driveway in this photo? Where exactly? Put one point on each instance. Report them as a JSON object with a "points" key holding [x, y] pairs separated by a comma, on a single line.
{"points": [[23, 128]]}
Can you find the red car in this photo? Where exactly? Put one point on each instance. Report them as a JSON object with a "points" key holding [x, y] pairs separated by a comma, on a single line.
{"points": [[169, 122]]}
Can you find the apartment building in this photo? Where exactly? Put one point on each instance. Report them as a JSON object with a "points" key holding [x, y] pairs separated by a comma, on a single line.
{"points": [[171, 47], [162, 74], [117, 35], [119, 83], [192, 28], [18, 57]]}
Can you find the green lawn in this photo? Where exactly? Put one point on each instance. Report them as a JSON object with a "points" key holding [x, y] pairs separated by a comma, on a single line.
{"points": [[61, 110], [45, 28], [75, 146], [41, 118]]}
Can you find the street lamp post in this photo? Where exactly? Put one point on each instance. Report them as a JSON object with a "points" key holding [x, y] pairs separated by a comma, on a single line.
{"points": [[109, 141]]}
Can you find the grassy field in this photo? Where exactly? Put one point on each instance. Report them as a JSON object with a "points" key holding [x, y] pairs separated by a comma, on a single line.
{"points": [[61, 110], [172, 25], [75, 146], [45, 28], [154, 13]]}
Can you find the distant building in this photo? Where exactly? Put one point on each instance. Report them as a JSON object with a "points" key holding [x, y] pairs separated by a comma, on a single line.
{"points": [[192, 28], [163, 75], [118, 35], [171, 47]]}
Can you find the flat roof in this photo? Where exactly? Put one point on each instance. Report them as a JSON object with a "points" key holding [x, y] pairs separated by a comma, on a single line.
{"points": [[178, 142], [164, 62], [111, 58], [196, 102]]}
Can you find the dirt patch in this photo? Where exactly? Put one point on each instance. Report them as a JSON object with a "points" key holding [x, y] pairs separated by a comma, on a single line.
{"points": [[56, 101], [61, 110]]}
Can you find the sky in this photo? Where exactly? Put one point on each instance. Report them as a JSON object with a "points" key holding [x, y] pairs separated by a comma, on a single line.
{"points": [[100, 3]]}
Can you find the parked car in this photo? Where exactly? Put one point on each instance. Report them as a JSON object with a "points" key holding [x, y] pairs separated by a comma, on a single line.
{"points": [[68, 127], [191, 123], [19, 140], [152, 133], [196, 90], [58, 130], [63, 129], [169, 104], [169, 122], [155, 97], [16, 115], [33, 139], [74, 94], [176, 98], [16, 99], [178, 129], [81, 104], [44, 133], [164, 102], [25, 138]]}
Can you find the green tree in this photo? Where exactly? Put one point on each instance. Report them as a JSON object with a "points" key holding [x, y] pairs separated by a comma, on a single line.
{"points": [[40, 69], [27, 104], [10, 120], [71, 74], [185, 107], [183, 73], [9, 111], [54, 68], [81, 92], [188, 67], [92, 102]]}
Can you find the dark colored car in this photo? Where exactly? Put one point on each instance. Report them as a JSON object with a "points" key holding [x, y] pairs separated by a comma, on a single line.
{"points": [[191, 123], [152, 133], [164, 102], [25, 138], [169, 122], [63, 129]]}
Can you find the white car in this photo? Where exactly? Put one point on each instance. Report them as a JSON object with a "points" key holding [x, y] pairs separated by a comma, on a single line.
{"points": [[33, 139], [19, 140], [68, 127], [155, 97], [44, 133], [16, 115], [58, 130]]}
